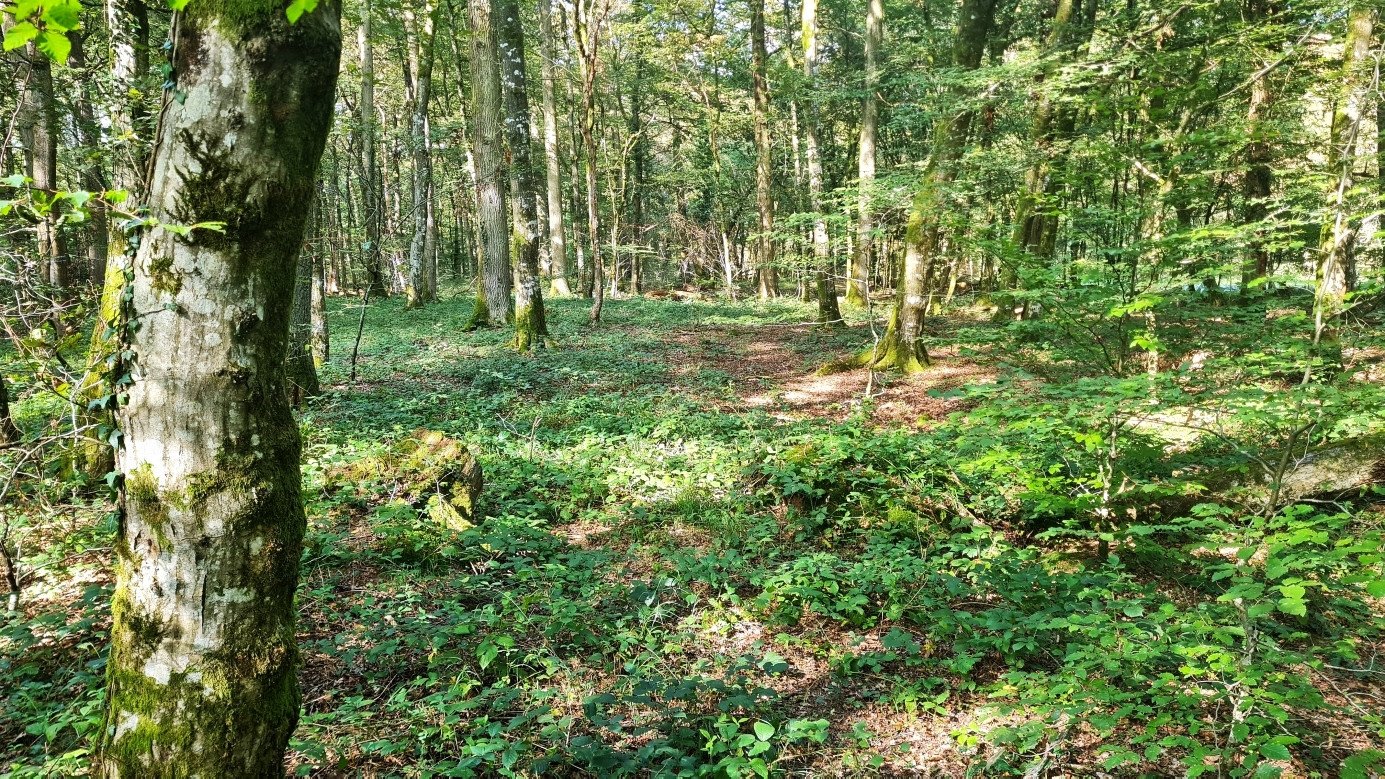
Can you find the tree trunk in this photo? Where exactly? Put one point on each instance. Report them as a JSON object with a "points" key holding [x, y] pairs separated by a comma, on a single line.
{"points": [[531, 327], [493, 289], [9, 432], [768, 277], [36, 119], [1258, 181], [417, 291], [902, 346], [1335, 247], [372, 190], [588, 40], [857, 283], [300, 368], [93, 175], [553, 162], [829, 314], [320, 340], [202, 675]]}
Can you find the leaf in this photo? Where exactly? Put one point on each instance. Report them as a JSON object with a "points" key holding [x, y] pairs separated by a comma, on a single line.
{"points": [[297, 8], [1274, 751], [1376, 588], [1134, 610], [1293, 606], [55, 45], [763, 731], [15, 37], [177, 5], [62, 15]]}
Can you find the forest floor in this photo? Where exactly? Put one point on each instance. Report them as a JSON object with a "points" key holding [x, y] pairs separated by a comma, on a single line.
{"points": [[695, 555]]}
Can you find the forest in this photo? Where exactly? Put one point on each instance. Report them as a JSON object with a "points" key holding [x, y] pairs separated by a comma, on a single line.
{"points": [[679, 388]]}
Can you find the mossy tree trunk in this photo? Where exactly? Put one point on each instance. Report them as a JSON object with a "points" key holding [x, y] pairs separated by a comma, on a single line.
{"points": [[531, 327], [493, 288], [128, 24], [202, 669], [764, 163], [829, 314], [552, 159], [1336, 260], [902, 346]]}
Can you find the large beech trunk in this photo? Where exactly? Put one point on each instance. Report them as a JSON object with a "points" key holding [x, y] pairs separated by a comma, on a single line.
{"points": [[531, 327], [202, 669], [829, 315], [493, 288]]}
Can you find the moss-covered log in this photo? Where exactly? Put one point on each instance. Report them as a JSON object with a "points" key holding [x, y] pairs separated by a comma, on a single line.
{"points": [[202, 670]]}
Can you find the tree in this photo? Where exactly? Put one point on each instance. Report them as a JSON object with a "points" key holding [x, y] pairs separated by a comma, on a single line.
{"points": [[829, 315], [552, 160], [590, 16], [422, 286], [1336, 260], [902, 345], [764, 173], [531, 327], [36, 119], [372, 194], [202, 674], [864, 257], [493, 286]]}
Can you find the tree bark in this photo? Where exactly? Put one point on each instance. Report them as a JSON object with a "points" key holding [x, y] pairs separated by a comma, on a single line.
{"points": [[372, 190], [1259, 179], [588, 43], [1338, 237], [493, 289], [202, 672], [829, 313], [768, 277], [531, 327], [857, 283], [552, 158], [419, 291], [300, 368]]}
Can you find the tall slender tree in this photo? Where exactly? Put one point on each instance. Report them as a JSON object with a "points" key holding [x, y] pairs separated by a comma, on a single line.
{"points": [[767, 276], [531, 327], [863, 258], [551, 155], [590, 16], [372, 190], [422, 260], [829, 314], [202, 675]]}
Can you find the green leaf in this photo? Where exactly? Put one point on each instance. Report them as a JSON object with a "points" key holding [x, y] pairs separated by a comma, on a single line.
{"points": [[1134, 610], [17, 36], [55, 45], [177, 5], [1376, 588], [1274, 752], [297, 8], [763, 731], [62, 15], [1293, 606]]}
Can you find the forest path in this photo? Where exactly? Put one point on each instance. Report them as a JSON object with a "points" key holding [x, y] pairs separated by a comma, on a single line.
{"points": [[774, 367]]}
